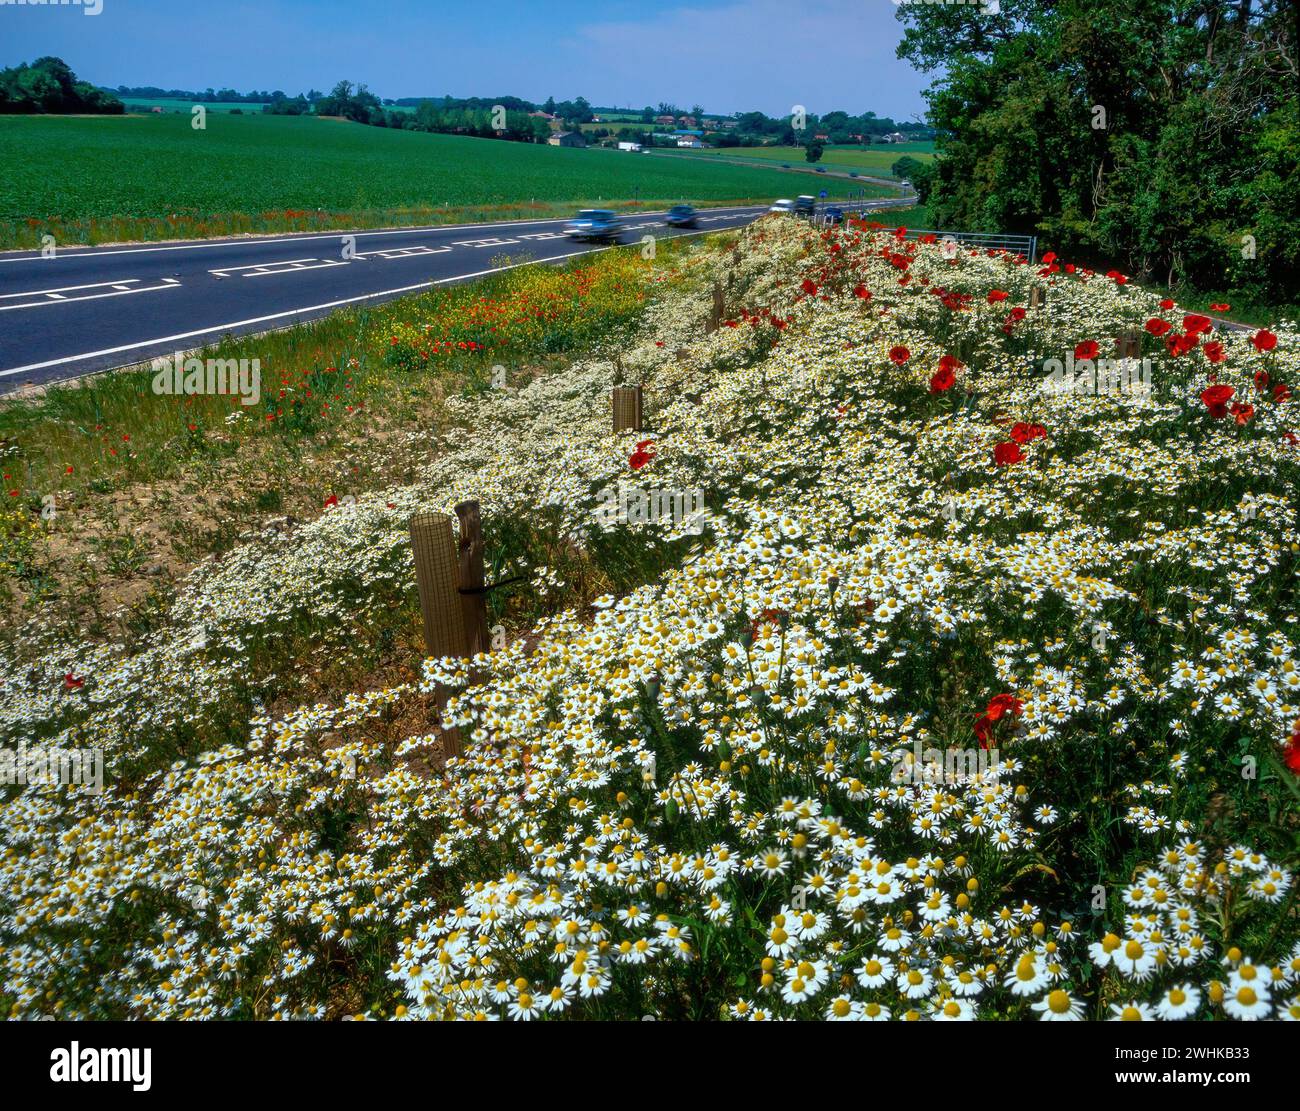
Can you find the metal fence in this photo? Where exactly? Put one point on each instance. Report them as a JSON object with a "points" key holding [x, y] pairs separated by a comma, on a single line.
{"points": [[1026, 245]]}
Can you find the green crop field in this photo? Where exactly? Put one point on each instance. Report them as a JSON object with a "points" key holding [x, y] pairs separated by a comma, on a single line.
{"points": [[112, 178], [171, 104], [846, 159]]}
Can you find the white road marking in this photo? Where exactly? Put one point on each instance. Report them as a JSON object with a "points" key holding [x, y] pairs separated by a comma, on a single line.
{"points": [[286, 266], [57, 296], [402, 252], [493, 242]]}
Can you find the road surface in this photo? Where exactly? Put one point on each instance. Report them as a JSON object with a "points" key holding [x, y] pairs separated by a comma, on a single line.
{"points": [[95, 308]]}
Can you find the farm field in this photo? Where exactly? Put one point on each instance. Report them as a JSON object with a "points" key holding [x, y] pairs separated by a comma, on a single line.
{"points": [[93, 180], [962, 693], [171, 104], [875, 161]]}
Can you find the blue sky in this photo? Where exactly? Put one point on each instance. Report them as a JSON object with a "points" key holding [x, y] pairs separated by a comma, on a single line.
{"points": [[728, 56]]}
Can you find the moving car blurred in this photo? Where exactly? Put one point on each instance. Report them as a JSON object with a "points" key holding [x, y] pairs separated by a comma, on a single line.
{"points": [[783, 206], [594, 223], [681, 216], [805, 205]]}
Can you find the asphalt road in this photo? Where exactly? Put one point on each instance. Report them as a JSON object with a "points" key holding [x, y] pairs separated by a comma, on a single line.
{"points": [[94, 308]]}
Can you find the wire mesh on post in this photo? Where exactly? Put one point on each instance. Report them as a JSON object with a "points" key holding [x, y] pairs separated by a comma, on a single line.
{"points": [[435, 576], [627, 408]]}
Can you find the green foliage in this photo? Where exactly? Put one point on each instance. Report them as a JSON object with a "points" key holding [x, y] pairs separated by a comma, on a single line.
{"points": [[48, 86], [1152, 138]]}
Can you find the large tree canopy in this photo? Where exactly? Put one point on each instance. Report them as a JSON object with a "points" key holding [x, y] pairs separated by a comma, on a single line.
{"points": [[1150, 134]]}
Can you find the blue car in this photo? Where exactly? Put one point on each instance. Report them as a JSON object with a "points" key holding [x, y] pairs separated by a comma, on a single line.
{"points": [[594, 223], [834, 214], [681, 216]]}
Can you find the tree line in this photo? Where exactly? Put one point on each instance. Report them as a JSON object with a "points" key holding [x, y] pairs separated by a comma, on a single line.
{"points": [[1157, 136], [48, 86]]}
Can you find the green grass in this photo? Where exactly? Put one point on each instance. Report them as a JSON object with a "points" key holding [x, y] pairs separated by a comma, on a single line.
{"points": [[172, 104], [108, 179], [875, 161]]}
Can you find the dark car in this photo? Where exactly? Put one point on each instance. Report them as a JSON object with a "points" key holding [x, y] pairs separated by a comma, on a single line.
{"points": [[594, 223], [853, 173], [785, 165], [834, 214], [681, 216], [821, 169], [805, 205]]}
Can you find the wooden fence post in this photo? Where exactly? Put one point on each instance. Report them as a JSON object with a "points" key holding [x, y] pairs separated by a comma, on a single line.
{"points": [[1129, 344], [627, 408], [1037, 297], [473, 600], [719, 309], [436, 577]]}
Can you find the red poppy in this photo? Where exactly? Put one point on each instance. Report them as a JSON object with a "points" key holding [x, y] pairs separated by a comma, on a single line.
{"points": [[1220, 308], [1049, 258], [996, 295], [943, 379], [1281, 392], [1213, 351], [950, 362], [642, 455], [862, 291], [1157, 327], [1216, 400], [1194, 323], [1023, 433], [1088, 349], [1242, 413], [1264, 340], [999, 707], [333, 499], [1261, 381], [1166, 304], [899, 355], [809, 287], [1007, 452], [72, 683], [1291, 756], [1017, 314], [1116, 277]]}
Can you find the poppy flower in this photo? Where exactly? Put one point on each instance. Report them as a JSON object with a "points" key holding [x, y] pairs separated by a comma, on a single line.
{"points": [[809, 287], [1088, 349], [1166, 304], [1157, 327], [862, 291], [899, 355], [1116, 277], [996, 295], [1214, 351], [950, 362], [1049, 258], [1007, 452], [1220, 308], [72, 683], [1195, 323], [943, 379], [1242, 413], [1261, 381], [1216, 400], [642, 455], [1281, 392], [1264, 340], [1023, 433], [1291, 756]]}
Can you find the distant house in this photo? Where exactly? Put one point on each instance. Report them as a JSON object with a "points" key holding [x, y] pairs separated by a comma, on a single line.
{"points": [[894, 137], [823, 138], [629, 146], [727, 125], [688, 121], [567, 139], [666, 119], [155, 108], [690, 142], [541, 115]]}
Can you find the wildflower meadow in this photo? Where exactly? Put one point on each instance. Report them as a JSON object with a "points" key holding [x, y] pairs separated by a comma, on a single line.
{"points": [[953, 694]]}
